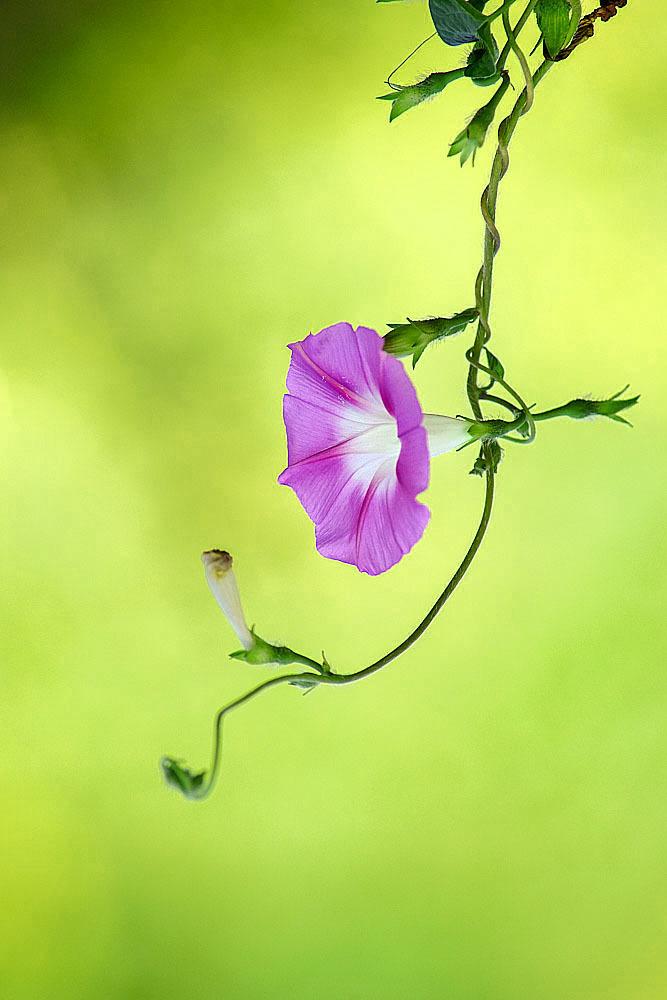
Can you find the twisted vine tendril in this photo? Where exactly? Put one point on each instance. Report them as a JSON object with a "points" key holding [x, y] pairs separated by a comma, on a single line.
{"points": [[523, 419]]}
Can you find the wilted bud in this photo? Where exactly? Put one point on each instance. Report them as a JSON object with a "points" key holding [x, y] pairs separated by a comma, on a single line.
{"points": [[471, 138], [181, 778], [220, 578]]}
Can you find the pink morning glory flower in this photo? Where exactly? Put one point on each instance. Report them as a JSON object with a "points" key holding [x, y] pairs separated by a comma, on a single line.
{"points": [[359, 446]]}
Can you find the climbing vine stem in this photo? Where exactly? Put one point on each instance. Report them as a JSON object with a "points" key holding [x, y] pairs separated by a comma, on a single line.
{"points": [[199, 786]]}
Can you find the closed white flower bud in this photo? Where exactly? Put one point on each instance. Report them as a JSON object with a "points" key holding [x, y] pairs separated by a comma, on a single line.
{"points": [[220, 578]]}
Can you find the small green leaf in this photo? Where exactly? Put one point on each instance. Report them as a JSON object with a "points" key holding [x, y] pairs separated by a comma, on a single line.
{"points": [[409, 97], [494, 364], [553, 19]]}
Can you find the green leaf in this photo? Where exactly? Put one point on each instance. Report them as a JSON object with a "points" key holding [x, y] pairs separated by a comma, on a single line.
{"points": [[553, 19], [457, 22], [494, 364], [489, 458], [409, 97]]}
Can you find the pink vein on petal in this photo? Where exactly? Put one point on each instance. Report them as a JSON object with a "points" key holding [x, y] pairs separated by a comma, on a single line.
{"points": [[350, 394]]}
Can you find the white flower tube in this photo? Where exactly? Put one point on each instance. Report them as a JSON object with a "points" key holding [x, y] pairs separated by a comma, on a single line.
{"points": [[220, 578], [446, 433]]}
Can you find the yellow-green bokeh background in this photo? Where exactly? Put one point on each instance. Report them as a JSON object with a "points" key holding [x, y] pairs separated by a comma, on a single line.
{"points": [[186, 187]]}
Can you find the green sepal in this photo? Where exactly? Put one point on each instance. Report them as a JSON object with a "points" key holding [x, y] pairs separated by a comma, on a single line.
{"points": [[409, 97], [489, 428], [553, 19], [414, 336], [181, 778], [263, 652], [489, 458]]}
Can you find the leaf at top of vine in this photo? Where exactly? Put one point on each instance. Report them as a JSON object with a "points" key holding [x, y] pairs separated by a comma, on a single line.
{"points": [[553, 19], [457, 22]]}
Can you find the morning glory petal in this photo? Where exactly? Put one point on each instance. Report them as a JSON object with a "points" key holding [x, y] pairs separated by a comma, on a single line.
{"points": [[357, 450]]}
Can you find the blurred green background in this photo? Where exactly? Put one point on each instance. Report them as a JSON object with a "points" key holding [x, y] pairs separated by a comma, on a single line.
{"points": [[185, 188]]}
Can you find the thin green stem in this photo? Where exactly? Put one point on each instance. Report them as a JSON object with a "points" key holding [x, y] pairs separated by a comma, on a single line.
{"points": [[518, 27], [508, 388], [556, 411], [339, 680], [489, 203], [483, 301]]}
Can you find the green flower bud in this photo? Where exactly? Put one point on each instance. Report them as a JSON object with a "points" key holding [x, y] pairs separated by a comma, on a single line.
{"points": [[585, 409], [413, 337], [582, 409], [405, 339]]}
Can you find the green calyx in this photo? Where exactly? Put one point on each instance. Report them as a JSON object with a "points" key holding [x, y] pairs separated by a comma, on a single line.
{"points": [[262, 653], [406, 98], [414, 336]]}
